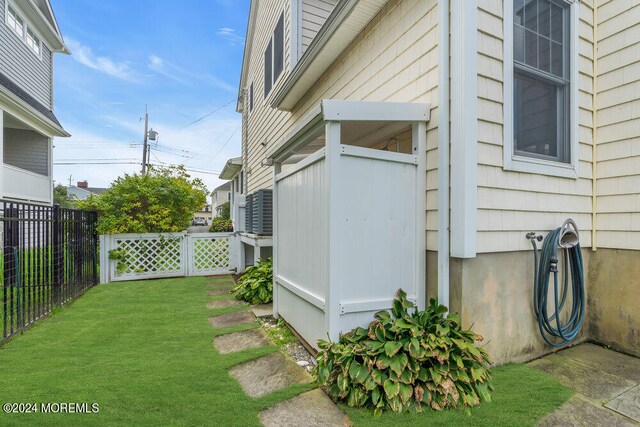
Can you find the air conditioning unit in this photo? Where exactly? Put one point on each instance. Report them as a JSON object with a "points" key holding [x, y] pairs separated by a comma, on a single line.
{"points": [[248, 213], [262, 212]]}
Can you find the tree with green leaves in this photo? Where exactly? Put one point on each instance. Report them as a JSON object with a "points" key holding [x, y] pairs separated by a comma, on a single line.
{"points": [[225, 211], [62, 197], [163, 200]]}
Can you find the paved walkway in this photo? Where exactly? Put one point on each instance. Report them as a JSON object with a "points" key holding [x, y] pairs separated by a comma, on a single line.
{"points": [[606, 385], [266, 374]]}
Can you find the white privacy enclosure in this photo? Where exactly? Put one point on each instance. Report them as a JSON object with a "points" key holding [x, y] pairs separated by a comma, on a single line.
{"points": [[349, 214]]}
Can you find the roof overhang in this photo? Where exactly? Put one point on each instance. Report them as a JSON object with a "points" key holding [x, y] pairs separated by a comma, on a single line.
{"points": [[231, 168], [346, 21], [334, 110], [51, 33], [15, 106], [253, 11]]}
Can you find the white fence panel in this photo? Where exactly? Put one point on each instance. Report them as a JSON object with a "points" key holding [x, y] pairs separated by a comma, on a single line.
{"points": [[211, 253], [160, 255]]}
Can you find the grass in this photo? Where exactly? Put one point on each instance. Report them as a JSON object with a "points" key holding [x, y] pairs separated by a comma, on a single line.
{"points": [[143, 351], [523, 395]]}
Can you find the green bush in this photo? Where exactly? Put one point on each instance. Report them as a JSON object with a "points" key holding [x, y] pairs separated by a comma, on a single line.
{"points": [[405, 360], [256, 284], [220, 225]]}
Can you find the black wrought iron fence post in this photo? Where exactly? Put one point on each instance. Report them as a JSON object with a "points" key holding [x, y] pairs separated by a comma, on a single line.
{"points": [[57, 269]]}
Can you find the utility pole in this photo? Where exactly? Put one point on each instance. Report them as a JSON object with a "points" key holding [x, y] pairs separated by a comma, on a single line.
{"points": [[70, 179], [144, 147]]}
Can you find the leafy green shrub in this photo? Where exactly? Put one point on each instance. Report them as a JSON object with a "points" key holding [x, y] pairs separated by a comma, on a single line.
{"points": [[220, 225], [405, 360], [256, 284]]}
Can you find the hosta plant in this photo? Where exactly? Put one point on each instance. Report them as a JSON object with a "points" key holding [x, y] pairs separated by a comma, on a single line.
{"points": [[407, 360], [256, 284]]}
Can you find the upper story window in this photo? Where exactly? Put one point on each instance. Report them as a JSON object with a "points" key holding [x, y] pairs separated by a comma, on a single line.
{"points": [[274, 56], [33, 42], [15, 22], [24, 31], [251, 97], [541, 75]]}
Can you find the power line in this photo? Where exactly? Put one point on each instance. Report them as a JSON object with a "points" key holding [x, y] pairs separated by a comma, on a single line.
{"points": [[208, 114]]}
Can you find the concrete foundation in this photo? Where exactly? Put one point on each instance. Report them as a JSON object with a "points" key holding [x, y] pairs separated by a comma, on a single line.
{"points": [[494, 293], [614, 299]]}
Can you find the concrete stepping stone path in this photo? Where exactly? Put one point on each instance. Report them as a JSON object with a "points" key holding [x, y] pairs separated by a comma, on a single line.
{"points": [[232, 319], [627, 404], [224, 303], [216, 292], [262, 310], [310, 409], [269, 373], [239, 341]]}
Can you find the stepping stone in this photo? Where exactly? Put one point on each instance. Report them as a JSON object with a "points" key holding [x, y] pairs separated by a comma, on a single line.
{"points": [[218, 292], [221, 284], [239, 341], [589, 382], [262, 310], [311, 409], [232, 319], [577, 412], [606, 360], [223, 303], [269, 373], [627, 404]]}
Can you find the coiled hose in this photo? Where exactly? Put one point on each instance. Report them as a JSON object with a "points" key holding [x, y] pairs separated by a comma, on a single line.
{"points": [[552, 328]]}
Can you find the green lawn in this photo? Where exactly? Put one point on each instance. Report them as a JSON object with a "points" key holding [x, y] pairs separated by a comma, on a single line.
{"points": [[142, 351]]}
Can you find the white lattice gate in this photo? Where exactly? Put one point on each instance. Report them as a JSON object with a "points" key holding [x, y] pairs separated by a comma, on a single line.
{"points": [[158, 255]]}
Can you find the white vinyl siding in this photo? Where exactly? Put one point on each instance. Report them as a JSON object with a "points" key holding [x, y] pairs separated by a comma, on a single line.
{"points": [[618, 123], [314, 14], [510, 203], [22, 66], [393, 59]]}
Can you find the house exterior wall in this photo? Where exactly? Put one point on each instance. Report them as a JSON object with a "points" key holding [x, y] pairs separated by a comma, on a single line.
{"points": [[511, 203], [393, 59], [32, 74], [314, 14], [26, 149], [618, 120]]}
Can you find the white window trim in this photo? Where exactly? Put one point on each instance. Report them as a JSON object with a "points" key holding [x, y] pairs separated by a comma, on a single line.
{"points": [[517, 163], [272, 39], [25, 26]]}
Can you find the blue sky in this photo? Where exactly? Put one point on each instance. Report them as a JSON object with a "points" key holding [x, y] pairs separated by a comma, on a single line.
{"points": [[182, 58]]}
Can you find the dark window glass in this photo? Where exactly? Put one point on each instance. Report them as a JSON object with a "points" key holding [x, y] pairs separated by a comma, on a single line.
{"points": [[278, 48], [251, 97], [268, 81]]}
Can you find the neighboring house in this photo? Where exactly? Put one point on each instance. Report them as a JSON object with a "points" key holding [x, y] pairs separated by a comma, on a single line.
{"points": [[29, 36], [82, 190], [539, 101], [205, 213], [219, 197]]}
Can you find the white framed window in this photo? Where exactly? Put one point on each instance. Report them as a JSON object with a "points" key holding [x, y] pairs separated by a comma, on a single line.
{"points": [[14, 21], [33, 42], [541, 87], [274, 57]]}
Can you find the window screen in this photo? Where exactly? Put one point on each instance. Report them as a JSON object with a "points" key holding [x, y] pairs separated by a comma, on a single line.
{"points": [[251, 97], [278, 48], [267, 70], [541, 79]]}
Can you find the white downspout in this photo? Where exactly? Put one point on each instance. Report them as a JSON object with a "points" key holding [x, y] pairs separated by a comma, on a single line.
{"points": [[443, 152]]}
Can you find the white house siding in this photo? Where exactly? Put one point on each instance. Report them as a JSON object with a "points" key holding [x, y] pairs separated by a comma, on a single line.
{"points": [[394, 58], [512, 203], [32, 74], [618, 125], [314, 14]]}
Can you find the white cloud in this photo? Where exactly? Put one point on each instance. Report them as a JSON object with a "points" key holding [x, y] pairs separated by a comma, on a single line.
{"points": [[230, 35], [84, 55], [179, 74]]}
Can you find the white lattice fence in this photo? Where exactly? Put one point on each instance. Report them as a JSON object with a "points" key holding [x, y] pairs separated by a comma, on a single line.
{"points": [[152, 256]]}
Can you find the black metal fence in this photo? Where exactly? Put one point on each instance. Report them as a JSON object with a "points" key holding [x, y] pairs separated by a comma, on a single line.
{"points": [[50, 257]]}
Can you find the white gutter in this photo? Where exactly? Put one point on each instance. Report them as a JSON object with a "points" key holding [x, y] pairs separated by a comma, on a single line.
{"points": [[443, 152]]}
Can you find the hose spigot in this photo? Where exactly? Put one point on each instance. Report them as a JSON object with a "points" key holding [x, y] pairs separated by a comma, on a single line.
{"points": [[533, 236], [554, 265]]}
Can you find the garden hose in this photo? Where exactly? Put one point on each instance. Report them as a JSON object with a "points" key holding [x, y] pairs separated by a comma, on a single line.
{"points": [[553, 329]]}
